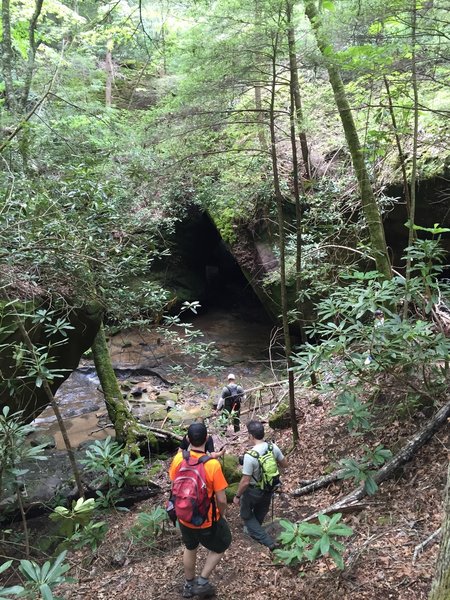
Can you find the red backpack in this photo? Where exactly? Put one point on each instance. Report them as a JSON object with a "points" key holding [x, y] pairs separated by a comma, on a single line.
{"points": [[189, 491]]}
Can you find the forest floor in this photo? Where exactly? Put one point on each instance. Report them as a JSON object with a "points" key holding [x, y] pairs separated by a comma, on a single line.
{"points": [[378, 557]]}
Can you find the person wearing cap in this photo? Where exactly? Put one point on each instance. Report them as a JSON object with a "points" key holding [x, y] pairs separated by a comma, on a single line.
{"points": [[230, 400], [209, 444], [214, 534]]}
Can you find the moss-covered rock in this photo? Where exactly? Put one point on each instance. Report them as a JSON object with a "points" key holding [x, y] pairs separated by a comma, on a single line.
{"points": [[281, 417], [231, 469], [231, 492], [167, 398]]}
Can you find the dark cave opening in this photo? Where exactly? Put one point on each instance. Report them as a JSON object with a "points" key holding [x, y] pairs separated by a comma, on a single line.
{"points": [[200, 250]]}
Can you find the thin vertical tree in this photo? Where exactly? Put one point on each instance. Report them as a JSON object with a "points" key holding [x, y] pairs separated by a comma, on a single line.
{"points": [[281, 238], [369, 204], [440, 589]]}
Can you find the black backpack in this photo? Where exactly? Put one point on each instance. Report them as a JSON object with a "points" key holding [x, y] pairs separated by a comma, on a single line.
{"points": [[235, 397]]}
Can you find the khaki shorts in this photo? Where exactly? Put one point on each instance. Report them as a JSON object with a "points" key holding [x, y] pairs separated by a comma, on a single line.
{"points": [[216, 538]]}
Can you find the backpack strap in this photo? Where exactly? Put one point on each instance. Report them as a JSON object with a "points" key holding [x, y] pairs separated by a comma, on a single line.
{"points": [[256, 455], [201, 459]]}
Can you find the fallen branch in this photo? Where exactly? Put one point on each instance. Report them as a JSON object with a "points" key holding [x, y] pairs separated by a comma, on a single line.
{"points": [[262, 386], [316, 484], [402, 457], [421, 547], [162, 432], [247, 410]]}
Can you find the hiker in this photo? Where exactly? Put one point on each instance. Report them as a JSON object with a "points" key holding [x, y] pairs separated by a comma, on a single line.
{"points": [[253, 495], [209, 447], [230, 400], [209, 444], [213, 533]]}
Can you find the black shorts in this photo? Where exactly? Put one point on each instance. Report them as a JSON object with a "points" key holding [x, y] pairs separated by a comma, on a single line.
{"points": [[216, 538]]}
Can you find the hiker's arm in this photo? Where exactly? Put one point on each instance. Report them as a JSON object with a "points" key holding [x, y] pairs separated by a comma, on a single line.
{"points": [[221, 500], [283, 463], [243, 485], [218, 454]]}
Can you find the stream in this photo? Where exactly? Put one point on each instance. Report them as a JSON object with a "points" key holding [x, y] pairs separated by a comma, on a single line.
{"points": [[145, 360]]}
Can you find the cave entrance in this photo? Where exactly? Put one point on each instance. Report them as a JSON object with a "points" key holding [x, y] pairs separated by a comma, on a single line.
{"points": [[200, 249]]}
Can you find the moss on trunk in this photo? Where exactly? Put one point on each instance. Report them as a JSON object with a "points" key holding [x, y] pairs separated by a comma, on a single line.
{"points": [[128, 430]]}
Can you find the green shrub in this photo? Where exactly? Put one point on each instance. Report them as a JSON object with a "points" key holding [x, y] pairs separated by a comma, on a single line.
{"points": [[308, 541], [149, 527]]}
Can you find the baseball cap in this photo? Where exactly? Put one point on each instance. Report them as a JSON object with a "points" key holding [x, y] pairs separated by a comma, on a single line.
{"points": [[231, 376], [197, 434]]}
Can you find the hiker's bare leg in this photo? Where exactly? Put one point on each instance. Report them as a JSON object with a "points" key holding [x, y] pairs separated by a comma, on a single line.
{"points": [[212, 560], [189, 560]]}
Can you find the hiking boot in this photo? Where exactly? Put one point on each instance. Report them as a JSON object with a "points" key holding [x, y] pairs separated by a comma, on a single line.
{"points": [[207, 589], [187, 589], [276, 546]]}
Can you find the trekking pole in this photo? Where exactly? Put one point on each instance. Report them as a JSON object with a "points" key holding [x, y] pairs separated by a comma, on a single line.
{"points": [[273, 497]]}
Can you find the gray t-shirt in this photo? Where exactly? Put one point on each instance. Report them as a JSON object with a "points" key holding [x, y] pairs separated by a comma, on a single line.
{"points": [[251, 465]]}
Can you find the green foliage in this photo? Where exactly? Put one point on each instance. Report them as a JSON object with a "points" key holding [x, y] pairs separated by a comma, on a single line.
{"points": [[149, 527], [188, 340], [361, 471], [90, 534], [308, 541], [14, 449], [356, 348], [225, 418], [69, 519], [347, 404], [38, 580], [114, 467]]}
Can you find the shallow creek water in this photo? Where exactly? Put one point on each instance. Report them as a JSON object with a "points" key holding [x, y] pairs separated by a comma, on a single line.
{"points": [[243, 345]]}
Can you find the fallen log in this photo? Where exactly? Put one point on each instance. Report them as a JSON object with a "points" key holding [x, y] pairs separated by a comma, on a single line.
{"points": [[387, 470], [316, 484], [162, 432]]}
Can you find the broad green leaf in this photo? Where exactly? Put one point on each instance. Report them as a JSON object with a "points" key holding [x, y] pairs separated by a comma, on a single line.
{"points": [[5, 565], [46, 592], [337, 558], [324, 544]]}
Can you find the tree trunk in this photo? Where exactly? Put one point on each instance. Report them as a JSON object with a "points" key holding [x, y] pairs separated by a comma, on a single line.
{"points": [[296, 118], [51, 399], [7, 56], [129, 431], [295, 89], [282, 246], [109, 73], [31, 53], [122, 419], [401, 155], [369, 204], [440, 589], [412, 195]]}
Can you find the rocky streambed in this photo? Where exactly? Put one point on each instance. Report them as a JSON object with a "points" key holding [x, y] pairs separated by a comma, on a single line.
{"points": [[144, 365]]}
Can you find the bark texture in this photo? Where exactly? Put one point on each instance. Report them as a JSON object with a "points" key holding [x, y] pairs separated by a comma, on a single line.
{"points": [[282, 246], [440, 589], [368, 201], [7, 56]]}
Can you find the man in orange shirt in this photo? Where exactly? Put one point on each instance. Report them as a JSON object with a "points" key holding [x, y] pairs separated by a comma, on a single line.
{"points": [[214, 534]]}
